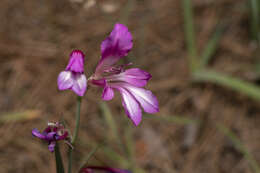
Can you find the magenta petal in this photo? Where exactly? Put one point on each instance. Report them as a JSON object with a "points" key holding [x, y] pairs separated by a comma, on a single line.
{"points": [[64, 136], [79, 84], [108, 93], [119, 42], [65, 80], [52, 146], [115, 46], [76, 63], [37, 134], [134, 76], [100, 82], [145, 98], [51, 136], [131, 106]]}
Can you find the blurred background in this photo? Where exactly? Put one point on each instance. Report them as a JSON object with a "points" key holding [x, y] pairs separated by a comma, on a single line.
{"points": [[204, 59]]}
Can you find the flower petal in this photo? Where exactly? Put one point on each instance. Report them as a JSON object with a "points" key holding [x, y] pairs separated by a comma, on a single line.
{"points": [[65, 80], [131, 106], [134, 76], [115, 46], [51, 136], [76, 63], [107, 94], [100, 82], [63, 136], [145, 98], [51, 146], [79, 84], [37, 134]]}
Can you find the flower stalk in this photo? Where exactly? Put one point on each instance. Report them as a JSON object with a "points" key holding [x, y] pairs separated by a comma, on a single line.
{"points": [[75, 134], [58, 158]]}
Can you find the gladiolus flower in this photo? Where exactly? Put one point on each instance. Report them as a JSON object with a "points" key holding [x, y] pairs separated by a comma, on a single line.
{"points": [[90, 169], [53, 133], [73, 78], [128, 82]]}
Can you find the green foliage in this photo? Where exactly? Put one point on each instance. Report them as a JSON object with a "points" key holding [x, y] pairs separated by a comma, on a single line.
{"points": [[236, 84], [200, 73], [58, 158]]}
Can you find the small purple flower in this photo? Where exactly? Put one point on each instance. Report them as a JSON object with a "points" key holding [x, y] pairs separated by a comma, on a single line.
{"points": [[53, 133], [90, 169], [73, 77], [128, 82]]}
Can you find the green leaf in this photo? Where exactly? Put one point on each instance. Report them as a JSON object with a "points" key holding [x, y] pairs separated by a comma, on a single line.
{"points": [[211, 47], [190, 34], [236, 84], [58, 158], [109, 119], [86, 159], [254, 9]]}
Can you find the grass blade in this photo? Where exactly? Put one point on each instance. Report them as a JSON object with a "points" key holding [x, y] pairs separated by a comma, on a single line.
{"points": [[238, 144], [211, 47], [189, 33], [236, 84], [112, 127], [254, 9], [19, 116], [86, 159]]}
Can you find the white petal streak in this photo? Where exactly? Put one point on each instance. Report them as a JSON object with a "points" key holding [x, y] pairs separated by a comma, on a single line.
{"points": [[80, 84], [65, 80], [131, 106], [145, 98]]}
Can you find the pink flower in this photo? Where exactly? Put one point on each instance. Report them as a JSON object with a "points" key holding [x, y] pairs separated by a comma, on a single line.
{"points": [[128, 82], [53, 132], [73, 78]]}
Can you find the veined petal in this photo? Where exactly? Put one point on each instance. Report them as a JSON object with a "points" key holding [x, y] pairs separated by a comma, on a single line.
{"points": [[108, 93], [115, 46], [65, 80], [131, 106], [79, 84], [100, 82], [134, 76], [76, 63], [37, 134], [145, 98]]}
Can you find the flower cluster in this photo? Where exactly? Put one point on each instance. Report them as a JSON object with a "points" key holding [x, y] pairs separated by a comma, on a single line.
{"points": [[110, 77], [53, 132]]}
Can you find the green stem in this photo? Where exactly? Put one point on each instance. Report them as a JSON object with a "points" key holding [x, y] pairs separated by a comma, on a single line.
{"points": [[255, 19], [190, 34], [75, 135], [58, 158]]}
